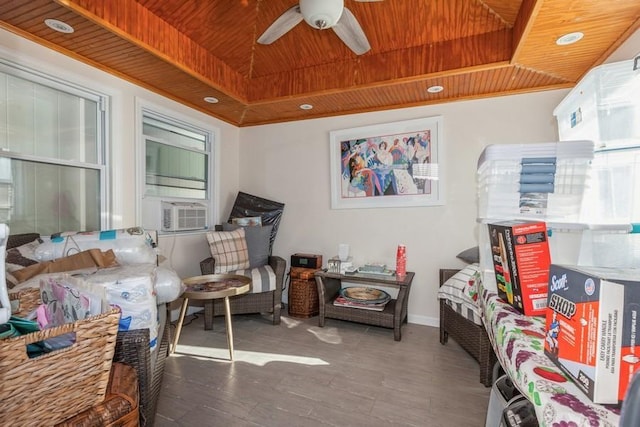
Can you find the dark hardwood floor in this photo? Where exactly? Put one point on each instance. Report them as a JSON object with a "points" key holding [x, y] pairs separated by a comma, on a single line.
{"points": [[298, 374]]}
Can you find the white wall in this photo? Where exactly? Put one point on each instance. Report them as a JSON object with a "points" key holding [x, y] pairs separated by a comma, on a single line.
{"points": [[182, 249], [289, 163]]}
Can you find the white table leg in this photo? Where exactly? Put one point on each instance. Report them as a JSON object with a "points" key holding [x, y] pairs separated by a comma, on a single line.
{"points": [[227, 315], [183, 311]]}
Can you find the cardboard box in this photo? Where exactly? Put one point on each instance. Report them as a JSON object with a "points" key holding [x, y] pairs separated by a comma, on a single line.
{"points": [[592, 327], [520, 255]]}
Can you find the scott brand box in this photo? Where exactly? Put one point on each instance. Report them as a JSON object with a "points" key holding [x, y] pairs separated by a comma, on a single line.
{"points": [[592, 328], [520, 255]]}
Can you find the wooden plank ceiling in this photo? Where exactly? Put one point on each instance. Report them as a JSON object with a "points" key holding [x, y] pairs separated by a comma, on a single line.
{"points": [[191, 49]]}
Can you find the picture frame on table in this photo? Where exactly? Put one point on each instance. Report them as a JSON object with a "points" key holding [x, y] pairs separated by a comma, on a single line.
{"points": [[387, 165]]}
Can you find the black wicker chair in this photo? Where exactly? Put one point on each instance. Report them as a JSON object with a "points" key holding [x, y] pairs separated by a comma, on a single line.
{"points": [[247, 205]]}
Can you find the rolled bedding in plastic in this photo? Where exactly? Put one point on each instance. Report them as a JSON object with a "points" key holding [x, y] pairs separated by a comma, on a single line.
{"points": [[168, 285], [131, 245], [136, 289], [132, 289]]}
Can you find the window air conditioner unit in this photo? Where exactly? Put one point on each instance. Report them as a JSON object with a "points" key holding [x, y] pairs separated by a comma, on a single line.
{"points": [[183, 216]]}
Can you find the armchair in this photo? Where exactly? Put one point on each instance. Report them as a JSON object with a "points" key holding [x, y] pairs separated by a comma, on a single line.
{"points": [[259, 244], [263, 302]]}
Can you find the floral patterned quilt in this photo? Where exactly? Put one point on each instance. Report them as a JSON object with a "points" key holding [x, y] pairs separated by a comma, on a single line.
{"points": [[518, 341]]}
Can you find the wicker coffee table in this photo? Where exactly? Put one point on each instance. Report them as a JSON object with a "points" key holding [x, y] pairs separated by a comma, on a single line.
{"points": [[213, 286], [393, 315]]}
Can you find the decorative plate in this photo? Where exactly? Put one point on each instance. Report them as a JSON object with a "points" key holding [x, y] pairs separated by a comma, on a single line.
{"points": [[366, 295]]}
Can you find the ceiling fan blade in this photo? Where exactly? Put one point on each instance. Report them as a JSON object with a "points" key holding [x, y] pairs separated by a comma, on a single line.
{"points": [[368, 1], [281, 26], [351, 33]]}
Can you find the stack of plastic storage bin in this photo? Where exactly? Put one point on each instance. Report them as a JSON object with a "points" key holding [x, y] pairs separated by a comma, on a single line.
{"points": [[533, 181], [593, 200], [542, 182], [604, 107]]}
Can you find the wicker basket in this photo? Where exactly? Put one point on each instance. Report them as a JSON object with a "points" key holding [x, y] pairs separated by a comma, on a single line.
{"points": [[25, 301], [53, 387], [120, 407], [303, 293]]}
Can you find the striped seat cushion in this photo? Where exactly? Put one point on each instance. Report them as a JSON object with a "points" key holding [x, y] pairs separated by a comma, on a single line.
{"points": [[263, 278], [466, 310]]}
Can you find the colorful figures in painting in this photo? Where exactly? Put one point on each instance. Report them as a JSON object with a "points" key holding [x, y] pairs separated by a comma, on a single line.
{"points": [[383, 165]]}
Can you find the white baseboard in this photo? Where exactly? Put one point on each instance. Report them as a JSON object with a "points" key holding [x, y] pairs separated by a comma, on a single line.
{"points": [[425, 320]]}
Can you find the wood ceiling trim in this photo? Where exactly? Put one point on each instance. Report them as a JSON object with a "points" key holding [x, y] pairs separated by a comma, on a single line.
{"points": [[614, 46], [381, 97], [436, 78], [498, 81], [132, 22], [134, 44], [507, 11], [22, 12], [184, 88], [529, 10], [212, 24], [601, 25], [413, 63]]}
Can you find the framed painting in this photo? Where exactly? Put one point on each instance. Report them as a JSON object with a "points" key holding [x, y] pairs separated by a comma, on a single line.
{"points": [[387, 165]]}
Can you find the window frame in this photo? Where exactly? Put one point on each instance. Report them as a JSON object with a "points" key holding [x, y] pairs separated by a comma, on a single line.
{"points": [[103, 120], [157, 112]]}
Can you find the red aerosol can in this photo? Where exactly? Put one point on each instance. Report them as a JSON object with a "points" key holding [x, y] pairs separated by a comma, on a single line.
{"points": [[401, 262]]}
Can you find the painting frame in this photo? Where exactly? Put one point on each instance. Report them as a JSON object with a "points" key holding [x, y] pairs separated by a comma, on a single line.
{"points": [[396, 164]]}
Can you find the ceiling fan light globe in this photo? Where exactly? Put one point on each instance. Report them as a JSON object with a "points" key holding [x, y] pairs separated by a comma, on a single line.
{"points": [[321, 14]]}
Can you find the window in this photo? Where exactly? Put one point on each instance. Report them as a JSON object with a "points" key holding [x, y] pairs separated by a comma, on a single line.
{"points": [[52, 163], [176, 158], [177, 164]]}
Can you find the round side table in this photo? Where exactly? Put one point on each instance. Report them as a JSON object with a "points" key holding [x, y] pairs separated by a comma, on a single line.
{"points": [[213, 286]]}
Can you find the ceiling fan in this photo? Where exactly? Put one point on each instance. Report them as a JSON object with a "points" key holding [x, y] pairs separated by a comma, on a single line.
{"points": [[321, 14]]}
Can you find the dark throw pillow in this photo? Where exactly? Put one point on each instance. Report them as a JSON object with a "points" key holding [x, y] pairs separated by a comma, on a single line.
{"points": [[470, 255], [257, 242]]}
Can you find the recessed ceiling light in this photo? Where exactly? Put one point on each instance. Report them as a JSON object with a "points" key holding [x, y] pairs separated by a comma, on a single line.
{"points": [[306, 107], [211, 99], [435, 89], [59, 26], [569, 38]]}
